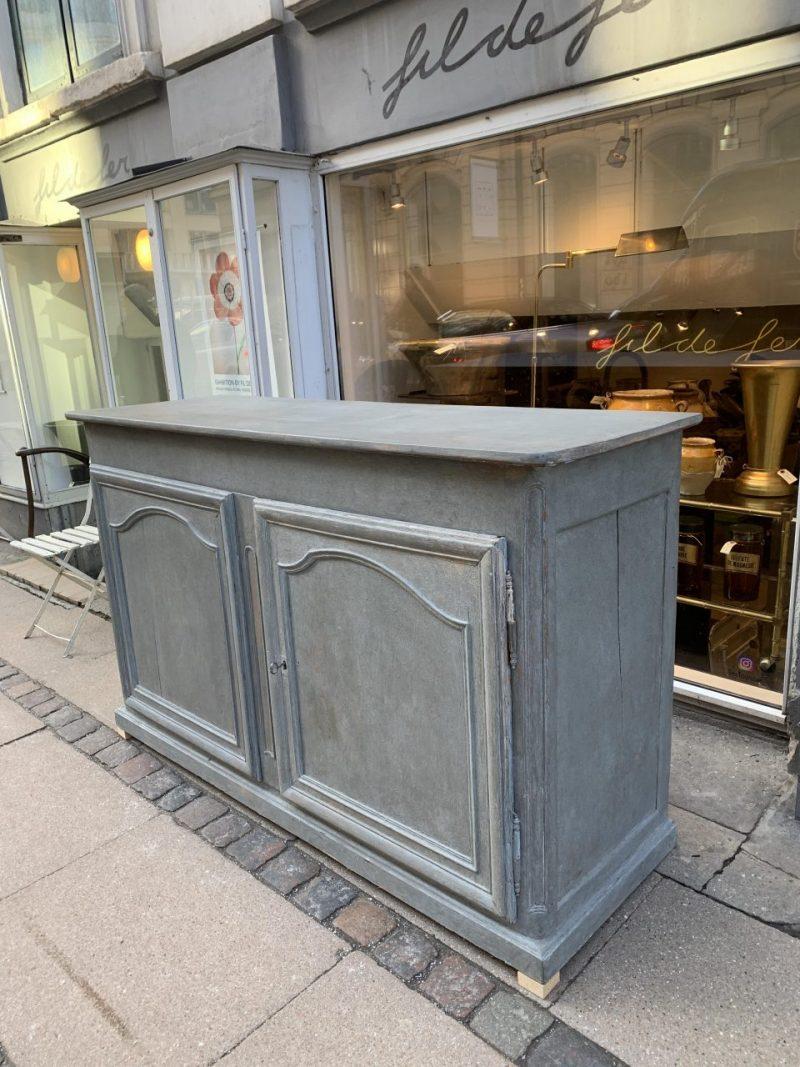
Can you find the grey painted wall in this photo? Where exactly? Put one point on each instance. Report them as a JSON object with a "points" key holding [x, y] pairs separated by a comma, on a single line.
{"points": [[240, 99]]}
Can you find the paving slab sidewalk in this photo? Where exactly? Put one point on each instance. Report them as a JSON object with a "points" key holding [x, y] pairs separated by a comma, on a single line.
{"points": [[89, 678], [127, 938], [688, 981]]}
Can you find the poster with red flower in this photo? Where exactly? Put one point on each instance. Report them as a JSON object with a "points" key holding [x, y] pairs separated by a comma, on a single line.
{"points": [[231, 375]]}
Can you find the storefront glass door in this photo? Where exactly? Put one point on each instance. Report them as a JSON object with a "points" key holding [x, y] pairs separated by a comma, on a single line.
{"points": [[12, 424], [44, 286]]}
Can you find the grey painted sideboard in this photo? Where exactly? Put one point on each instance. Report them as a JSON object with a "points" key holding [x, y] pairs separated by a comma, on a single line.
{"points": [[435, 643]]}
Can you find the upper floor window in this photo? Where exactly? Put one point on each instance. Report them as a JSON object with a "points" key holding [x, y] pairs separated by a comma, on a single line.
{"points": [[58, 41]]}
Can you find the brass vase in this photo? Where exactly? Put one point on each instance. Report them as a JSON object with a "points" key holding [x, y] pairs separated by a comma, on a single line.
{"points": [[771, 391]]}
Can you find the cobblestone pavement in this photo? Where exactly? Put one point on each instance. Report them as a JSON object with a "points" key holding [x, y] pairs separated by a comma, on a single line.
{"points": [[700, 966]]}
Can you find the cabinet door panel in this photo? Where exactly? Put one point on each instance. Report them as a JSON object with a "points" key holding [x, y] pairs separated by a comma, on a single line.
{"points": [[394, 693], [173, 572]]}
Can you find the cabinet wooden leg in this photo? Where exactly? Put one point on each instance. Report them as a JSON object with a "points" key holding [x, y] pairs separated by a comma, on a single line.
{"points": [[540, 989]]}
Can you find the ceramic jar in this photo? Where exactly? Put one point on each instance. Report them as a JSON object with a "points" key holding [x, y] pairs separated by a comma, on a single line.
{"points": [[701, 463], [641, 400]]}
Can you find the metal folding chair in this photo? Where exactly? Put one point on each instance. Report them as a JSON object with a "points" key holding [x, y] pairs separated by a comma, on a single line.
{"points": [[57, 548]]}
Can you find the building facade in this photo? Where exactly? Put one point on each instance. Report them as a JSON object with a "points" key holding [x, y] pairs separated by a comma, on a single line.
{"points": [[523, 202]]}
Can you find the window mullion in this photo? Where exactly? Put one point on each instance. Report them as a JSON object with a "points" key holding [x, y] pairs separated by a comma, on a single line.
{"points": [[69, 36]]}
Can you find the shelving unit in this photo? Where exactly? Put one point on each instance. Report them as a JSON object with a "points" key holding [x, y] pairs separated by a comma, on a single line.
{"points": [[772, 605]]}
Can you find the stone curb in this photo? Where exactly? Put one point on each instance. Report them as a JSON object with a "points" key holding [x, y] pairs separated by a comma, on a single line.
{"points": [[493, 1011]]}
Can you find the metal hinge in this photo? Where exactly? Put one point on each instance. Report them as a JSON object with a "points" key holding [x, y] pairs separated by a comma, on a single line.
{"points": [[516, 855], [277, 665], [511, 622]]}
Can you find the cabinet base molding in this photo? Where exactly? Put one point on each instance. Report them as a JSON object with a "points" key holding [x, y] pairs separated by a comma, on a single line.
{"points": [[539, 989]]}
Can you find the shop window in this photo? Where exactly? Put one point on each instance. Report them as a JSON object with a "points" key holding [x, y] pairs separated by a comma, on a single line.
{"points": [[205, 286], [647, 251], [46, 291], [124, 264], [58, 41]]}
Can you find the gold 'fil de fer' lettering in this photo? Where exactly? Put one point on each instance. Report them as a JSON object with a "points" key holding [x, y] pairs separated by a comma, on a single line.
{"points": [[766, 340]]}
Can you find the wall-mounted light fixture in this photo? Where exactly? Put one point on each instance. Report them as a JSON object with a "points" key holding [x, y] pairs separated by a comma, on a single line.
{"points": [[618, 156], [729, 141], [538, 169], [142, 249], [396, 199], [68, 264]]}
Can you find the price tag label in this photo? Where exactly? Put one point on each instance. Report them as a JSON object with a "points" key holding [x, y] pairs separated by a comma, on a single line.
{"points": [[787, 476]]}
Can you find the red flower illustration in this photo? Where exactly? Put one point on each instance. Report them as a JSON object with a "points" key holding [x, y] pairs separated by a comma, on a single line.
{"points": [[226, 288]]}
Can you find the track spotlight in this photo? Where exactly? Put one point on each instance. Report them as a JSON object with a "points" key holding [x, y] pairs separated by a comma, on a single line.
{"points": [[396, 199], [729, 141], [618, 156], [538, 169]]}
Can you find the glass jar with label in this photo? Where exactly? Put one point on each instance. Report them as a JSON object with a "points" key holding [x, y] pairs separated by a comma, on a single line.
{"points": [[743, 556], [691, 551]]}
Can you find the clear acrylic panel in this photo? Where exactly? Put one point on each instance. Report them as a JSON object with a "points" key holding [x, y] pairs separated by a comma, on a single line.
{"points": [[265, 199], [124, 264], [47, 295], [205, 289]]}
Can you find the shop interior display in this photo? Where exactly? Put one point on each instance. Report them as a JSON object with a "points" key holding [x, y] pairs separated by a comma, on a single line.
{"points": [[668, 281]]}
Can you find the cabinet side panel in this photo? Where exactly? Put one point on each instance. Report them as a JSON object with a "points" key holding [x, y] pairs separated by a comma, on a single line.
{"points": [[642, 548], [610, 571], [587, 702]]}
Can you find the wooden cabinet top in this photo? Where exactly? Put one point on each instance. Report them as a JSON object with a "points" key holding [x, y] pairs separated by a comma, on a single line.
{"points": [[518, 436]]}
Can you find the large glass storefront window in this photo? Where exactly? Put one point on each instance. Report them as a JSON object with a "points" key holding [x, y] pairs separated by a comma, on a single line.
{"points": [[649, 254], [124, 263], [205, 284], [47, 294]]}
